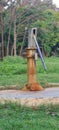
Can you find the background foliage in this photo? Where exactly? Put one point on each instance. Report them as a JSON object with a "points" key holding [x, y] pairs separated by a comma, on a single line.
{"points": [[41, 14]]}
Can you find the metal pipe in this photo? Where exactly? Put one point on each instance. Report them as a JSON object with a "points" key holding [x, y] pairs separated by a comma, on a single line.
{"points": [[32, 84], [39, 51]]}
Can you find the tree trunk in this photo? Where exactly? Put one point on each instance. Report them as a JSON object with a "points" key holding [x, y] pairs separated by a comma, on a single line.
{"points": [[10, 12], [2, 43], [14, 32], [22, 44], [7, 53], [12, 50]]}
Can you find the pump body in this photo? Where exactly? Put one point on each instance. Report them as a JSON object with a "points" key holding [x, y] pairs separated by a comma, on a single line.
{"points": [[32, 84]]}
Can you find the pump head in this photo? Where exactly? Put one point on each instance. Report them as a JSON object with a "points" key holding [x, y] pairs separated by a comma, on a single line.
{"points": [[32, 32]]}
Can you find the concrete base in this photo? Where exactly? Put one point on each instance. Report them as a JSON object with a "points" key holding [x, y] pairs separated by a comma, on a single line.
{"points": [[31, 98], [32, 87]]}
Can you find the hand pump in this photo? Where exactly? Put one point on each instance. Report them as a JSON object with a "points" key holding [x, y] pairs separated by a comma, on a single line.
{"points": [[33, 46]]}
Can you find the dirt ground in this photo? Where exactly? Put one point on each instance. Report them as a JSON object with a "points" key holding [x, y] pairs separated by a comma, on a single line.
{"points": [[32, 102], [48, 96]]}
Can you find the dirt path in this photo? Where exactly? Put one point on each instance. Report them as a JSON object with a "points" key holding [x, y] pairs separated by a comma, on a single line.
{"points": [[48, 95]]}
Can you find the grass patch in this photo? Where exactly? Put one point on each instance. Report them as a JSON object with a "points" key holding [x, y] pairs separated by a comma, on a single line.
{"points": [[12, 80], [13, 71], [16, 117], [13, 66]]}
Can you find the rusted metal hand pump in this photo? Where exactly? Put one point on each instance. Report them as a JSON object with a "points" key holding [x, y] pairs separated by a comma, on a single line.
{"points": [[32, 84]]}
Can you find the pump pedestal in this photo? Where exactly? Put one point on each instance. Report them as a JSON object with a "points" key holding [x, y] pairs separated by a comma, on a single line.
{"points": [[32, 84]]}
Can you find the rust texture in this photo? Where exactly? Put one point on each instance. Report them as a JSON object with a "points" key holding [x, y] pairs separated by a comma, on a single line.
{"points": [[32, 84]]}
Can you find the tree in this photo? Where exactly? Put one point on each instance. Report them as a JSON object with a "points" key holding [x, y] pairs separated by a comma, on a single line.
{"points": [[1, 28], [10, 21], [21, 14], [15, 31]]}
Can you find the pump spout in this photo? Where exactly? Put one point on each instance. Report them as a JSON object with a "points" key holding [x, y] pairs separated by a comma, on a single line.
{"points": [[39, 51]]}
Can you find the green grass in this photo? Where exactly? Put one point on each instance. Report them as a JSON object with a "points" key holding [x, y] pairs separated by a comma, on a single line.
{"points": [[13, 71], [16, 117]]}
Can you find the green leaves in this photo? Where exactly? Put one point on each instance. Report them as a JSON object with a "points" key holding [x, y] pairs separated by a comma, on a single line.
{"points": [[41, 15]]}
